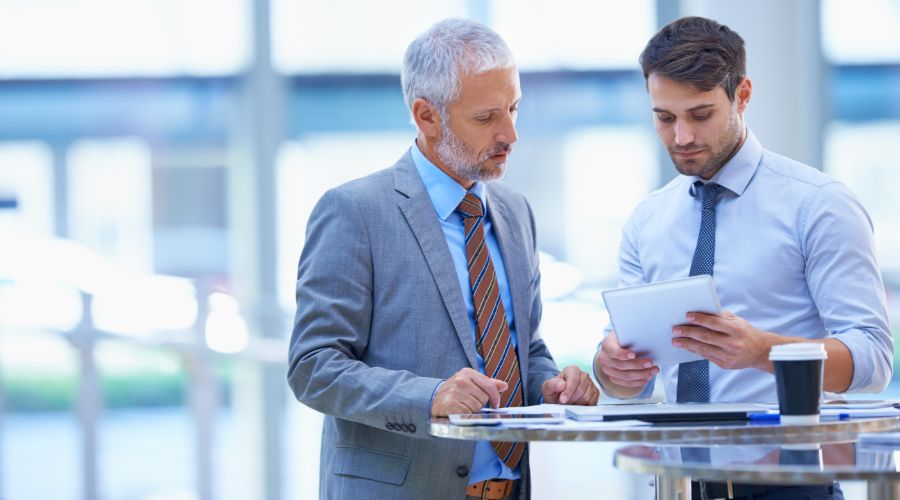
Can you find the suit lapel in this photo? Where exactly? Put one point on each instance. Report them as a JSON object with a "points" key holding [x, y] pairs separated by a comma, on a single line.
{"points": [[518, 274], [418, 210]]}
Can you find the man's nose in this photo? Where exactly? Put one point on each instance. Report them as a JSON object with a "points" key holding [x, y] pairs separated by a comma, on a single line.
{"points": [[684, 134], [507, 132]]}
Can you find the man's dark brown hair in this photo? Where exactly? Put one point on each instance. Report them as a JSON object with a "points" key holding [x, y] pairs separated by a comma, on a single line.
{"points": [[699, 53]]}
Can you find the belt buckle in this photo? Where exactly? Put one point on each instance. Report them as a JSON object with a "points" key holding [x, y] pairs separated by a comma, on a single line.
{"points": [[484, 490]]}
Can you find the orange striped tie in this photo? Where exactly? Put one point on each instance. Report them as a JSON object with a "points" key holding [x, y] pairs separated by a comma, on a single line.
{"points": [[492, 331]]}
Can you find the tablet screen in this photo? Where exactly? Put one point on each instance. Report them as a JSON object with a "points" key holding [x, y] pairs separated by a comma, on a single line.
{"points": [[643, 316]]}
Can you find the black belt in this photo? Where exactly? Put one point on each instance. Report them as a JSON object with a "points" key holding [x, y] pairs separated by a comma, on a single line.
{"points": [[714, 490]]}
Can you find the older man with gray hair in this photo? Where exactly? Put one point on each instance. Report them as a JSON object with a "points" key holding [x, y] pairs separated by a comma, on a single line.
{"points": [[418, 292]]}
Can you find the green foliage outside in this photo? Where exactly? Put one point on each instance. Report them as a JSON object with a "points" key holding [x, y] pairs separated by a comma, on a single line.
{"points": [[36, 392]]}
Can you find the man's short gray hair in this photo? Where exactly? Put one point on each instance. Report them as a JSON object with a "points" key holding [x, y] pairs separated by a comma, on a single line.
{"points": [[436, 59]]}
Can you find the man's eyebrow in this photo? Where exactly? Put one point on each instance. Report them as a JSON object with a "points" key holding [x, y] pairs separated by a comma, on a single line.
{"points": [[695, 108], [496, 108], [701, 106]]}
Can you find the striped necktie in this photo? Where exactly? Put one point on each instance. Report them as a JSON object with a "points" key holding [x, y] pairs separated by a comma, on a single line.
{"points": [[693, 376], [492, 337]]}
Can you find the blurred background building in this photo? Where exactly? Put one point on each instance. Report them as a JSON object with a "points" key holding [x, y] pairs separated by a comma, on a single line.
{"points": [[159, 159]]}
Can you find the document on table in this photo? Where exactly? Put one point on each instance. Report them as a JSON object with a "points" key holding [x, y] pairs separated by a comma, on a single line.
{"points": [[859, 404], [861, 412], [859, 408]]}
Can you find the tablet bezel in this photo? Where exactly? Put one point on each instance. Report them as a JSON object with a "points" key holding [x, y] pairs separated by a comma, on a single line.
{"points": [[643, 315]]}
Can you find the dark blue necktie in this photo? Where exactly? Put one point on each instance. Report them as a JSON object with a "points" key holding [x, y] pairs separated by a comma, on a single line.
{"points": [[693, 376]]}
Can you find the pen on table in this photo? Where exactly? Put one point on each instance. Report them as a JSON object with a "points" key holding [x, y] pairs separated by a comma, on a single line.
{"points": [[774, 417], [763, 417]]}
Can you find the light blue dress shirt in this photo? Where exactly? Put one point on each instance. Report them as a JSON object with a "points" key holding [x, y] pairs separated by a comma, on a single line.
{"points": [[794, 256], [446, 194]]}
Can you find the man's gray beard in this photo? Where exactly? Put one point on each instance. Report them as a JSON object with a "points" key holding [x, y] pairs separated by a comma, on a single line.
{"points": [[458, 158]]}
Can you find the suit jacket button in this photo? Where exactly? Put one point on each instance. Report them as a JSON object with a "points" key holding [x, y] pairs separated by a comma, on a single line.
{"points": [[412, 428], [389, 426], [462, 471]]}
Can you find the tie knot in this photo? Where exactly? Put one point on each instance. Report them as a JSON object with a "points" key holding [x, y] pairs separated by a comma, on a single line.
{"points": [[471, 206], [710, 195]]}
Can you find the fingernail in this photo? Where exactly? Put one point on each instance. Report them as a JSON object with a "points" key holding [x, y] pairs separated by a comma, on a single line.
{"points": [[563, 399], [647, 364], [691, 316], [630, 355], [676, 331], [676, 343]]}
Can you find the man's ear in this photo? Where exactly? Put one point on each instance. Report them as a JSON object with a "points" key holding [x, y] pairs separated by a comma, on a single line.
{"points": [[742, 94], [427, 118]]}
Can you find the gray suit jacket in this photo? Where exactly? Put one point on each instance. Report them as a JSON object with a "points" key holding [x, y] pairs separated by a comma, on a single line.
{"points": [[381, 322]]}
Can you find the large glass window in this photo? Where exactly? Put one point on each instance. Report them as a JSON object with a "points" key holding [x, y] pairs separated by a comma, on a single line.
{"points": [[110, 193], [862, 31], [343, 36], [90, 38], [574, 34], [861, 40], [26, 188]]}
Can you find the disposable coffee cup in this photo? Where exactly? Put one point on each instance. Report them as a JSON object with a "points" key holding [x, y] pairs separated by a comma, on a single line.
{"points": [[798, 377]]}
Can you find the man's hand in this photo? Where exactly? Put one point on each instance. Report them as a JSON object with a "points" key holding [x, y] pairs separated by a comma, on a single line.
{"points": [[466, 391], [623, 374], [572, 386], [727, 340]]}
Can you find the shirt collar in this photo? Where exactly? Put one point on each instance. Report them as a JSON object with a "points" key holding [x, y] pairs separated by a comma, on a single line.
{"points": [[445, 193], [736, 174]]}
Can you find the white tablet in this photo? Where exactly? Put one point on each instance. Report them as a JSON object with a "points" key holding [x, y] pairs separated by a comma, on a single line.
{"points": [[643, 316]]}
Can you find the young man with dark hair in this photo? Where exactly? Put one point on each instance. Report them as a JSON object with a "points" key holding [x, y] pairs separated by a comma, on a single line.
{"points": [[790, 248]]}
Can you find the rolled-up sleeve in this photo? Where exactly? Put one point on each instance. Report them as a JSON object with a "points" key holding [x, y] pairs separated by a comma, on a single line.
{"points": [[845, 283]]}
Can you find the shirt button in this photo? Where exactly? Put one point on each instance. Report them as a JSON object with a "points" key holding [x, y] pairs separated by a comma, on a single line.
{"points": [[389, 426], [412, 428], [462, 471]]}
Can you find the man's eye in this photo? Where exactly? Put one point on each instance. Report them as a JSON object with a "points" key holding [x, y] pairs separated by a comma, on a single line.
{"points": [[665, 118], [482, 119], [700, 118]]}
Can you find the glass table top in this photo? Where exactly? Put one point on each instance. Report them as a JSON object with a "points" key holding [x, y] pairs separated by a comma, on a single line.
{"points": [[736, 432], [769, 463]]}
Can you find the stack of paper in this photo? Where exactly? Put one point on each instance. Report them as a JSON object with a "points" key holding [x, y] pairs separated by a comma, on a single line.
{"points": [[859, 404], [861, 408]]}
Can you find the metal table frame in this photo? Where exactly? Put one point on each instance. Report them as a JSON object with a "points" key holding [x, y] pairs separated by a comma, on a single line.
{"points": [[673, 479]]}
